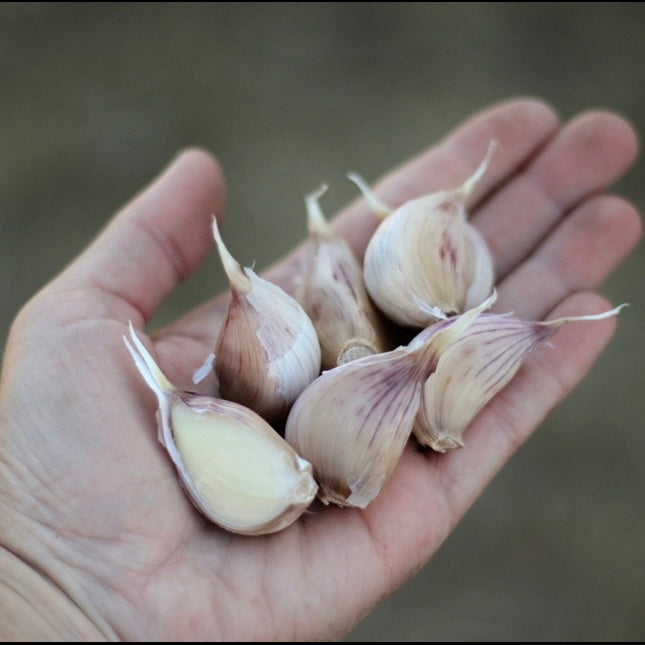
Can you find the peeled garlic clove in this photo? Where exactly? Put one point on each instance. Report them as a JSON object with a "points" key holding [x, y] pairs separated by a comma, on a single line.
{"points": [[353, 421], [332, 292], [425, 261], [267, 351], [234, 467], [474, 369]]}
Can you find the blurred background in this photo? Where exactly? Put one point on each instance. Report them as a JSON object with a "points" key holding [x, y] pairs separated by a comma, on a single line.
{"points": [[96, 98]]}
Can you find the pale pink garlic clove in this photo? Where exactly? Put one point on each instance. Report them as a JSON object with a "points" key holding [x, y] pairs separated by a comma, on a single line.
{"points": [[425, 262], [474, 369], [267, 350], [331, 290]]}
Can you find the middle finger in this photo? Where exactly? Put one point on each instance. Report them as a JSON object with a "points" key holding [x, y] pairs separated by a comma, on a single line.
{"points": [[586, 156], [577, 255]]}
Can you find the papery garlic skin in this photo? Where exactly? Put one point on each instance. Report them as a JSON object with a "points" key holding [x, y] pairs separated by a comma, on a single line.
{"points": [[474, 369], [482, 275], [332, 292], [352, 422], [267, 350], [234, 467], [425, 262]]}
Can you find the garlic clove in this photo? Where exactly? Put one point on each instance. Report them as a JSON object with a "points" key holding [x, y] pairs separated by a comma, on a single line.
{"points": [[234, 467], [267, 351], [353, 421], [474, 369], [332, 292], [425, 262]]}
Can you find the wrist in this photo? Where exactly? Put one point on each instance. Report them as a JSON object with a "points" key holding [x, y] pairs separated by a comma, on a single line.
{"points": [[33, 608]]}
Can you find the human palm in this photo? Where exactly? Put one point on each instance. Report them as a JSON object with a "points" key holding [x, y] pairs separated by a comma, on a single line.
{"points": [[92, 515]]}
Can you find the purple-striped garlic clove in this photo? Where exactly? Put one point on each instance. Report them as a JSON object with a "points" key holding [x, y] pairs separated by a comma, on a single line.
{"points": [[474, 369]]}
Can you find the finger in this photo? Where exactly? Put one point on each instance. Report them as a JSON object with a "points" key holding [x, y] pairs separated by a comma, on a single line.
{"points": [[155, 241], [586, 157], [578, 255]]}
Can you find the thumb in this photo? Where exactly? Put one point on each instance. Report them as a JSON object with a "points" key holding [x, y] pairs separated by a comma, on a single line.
{"points": [[155, 242]]}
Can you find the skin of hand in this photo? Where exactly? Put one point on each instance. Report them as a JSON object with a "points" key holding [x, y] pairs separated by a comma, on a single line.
{"points": [[97, 539]]}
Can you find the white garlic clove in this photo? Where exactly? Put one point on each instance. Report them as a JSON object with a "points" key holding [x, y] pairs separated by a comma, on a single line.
{"points": [[425, 261], [267, 351], [474, 369], [332, 292], [234, 467], [352, 422]]}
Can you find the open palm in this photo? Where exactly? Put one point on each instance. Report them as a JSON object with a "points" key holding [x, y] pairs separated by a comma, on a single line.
{"points": [[93, 524]]}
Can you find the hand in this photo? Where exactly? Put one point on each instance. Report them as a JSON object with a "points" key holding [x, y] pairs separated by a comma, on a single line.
{"points": [[96, 537]]}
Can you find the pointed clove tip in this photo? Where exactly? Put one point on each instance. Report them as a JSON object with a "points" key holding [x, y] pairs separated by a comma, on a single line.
{"points": [[236, 275], [215, 227], [133, 336], [490, 301], [602, 315], [464, 191], [316, 221], [316, 194], [380, 208]]}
